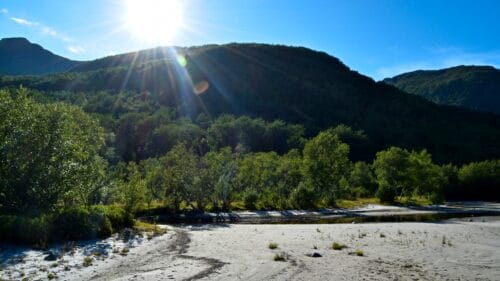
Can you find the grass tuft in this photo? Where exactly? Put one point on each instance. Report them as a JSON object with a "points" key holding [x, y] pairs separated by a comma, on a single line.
{"points": [[338, 246], [125, 251], [272, 245], [359, 253], [87, 261], [279, 257]]}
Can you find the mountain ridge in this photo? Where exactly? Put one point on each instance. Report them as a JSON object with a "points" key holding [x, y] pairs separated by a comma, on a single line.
{"points": [[294, 84], [18, 56], [470, 86]]}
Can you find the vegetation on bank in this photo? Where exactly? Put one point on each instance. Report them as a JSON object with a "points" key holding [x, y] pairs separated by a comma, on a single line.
{"points": [[59, 180]]}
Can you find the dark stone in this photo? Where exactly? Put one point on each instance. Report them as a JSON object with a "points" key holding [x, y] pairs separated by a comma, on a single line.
{"points": [[51, 256], [315, 255]]}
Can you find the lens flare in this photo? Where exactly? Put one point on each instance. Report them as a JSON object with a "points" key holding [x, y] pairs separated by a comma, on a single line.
{"points": [[200, 88], [181, 60]]}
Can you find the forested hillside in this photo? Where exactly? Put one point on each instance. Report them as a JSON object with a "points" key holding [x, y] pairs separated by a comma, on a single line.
{"points": [[240, 126], [473, 87], [296, 85]]}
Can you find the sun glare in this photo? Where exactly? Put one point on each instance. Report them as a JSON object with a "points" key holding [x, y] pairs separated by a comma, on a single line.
{"points": [[155, 21]]}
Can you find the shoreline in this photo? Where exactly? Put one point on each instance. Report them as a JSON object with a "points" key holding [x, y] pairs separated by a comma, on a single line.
{"points": [[369, 213]]}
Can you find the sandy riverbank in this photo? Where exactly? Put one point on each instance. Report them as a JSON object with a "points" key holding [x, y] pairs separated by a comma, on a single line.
{"points": [[457, 249]]}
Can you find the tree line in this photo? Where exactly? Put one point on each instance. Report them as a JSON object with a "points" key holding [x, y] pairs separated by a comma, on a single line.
{"points": [[54, 159]]}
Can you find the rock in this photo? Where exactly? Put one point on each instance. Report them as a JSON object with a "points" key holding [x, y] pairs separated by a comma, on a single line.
{"points": [[51, 256], [315, 255], [99, 249]]}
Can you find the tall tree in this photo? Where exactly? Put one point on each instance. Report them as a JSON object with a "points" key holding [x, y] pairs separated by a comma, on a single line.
{"points": [[325, 163], [47, 151]]}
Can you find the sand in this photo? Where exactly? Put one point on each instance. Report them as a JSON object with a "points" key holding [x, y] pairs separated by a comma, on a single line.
{"points": [[458, 249]]}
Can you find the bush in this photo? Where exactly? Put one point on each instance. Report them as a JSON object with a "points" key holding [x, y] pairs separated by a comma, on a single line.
{"points": [[118, 217], [77, 223], [303, 197], [250, 199], [479, 181], [359, 253], [67, 224], [279, 257], [87, 261], [272, 245], [338, 246]]}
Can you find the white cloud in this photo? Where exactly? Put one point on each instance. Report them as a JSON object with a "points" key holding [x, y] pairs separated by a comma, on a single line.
{"points": [[24, 22], [46, 30], [76, 49], [43, 29], [4, 11]]}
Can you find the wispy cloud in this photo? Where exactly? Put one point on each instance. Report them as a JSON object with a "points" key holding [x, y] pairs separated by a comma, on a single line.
{"points": [[442, 57], [24, 22], [46, 30], [76, 49], [4, 11], [43, 29]]}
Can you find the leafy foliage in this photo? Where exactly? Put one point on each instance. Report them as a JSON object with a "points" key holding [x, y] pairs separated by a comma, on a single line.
{"points": [[326, 162], [48, 152]]}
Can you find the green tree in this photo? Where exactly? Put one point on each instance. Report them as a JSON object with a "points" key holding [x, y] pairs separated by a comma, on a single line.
{"points": [[403, 173], [47, 152], [479, 180], [391, 170], [179, 176], [325, 163], [362, 180], [427, 178], [219, 176], [132, 191]]}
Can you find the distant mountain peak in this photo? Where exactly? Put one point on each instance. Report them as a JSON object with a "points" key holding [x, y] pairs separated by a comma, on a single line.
{"points": [[18, 56], [476, 87], [15, 39]]}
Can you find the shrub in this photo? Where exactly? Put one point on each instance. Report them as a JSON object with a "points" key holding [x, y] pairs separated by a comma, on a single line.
{"points": [[279, 257], [272, 245], [338, 246], [250, 199], [303, 197], [359, 253], [124, 251], [66, 224], [87, 261], [118, 217]]}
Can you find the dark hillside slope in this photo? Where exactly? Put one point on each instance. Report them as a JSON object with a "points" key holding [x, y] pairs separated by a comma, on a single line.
{"points": [[18, 56], [473, 87], [294, 84]]}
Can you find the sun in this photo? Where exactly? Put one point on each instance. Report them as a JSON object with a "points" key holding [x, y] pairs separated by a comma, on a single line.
{"points": [[154, 21]]}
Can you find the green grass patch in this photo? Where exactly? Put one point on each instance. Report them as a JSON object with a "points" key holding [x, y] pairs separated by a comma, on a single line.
{"points": [[153, 230], [418, 201], [356, 203]]}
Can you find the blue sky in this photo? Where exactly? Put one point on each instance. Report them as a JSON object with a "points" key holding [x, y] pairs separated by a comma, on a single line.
{"points": [[377, 38]]}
